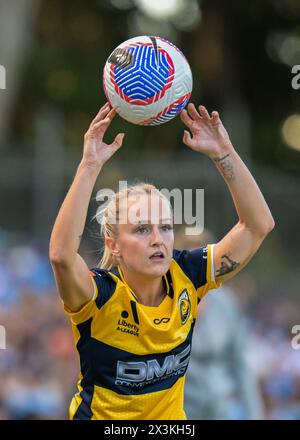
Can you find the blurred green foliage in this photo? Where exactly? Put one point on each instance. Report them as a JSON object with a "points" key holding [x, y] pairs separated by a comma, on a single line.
{"points": [[228, 57]]}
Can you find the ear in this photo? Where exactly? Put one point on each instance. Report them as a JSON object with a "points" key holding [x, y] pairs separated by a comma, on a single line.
{"points": [[112, 246]]}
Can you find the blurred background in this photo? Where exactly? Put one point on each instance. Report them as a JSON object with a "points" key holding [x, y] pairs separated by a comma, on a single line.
{"points": [[241, 55]]}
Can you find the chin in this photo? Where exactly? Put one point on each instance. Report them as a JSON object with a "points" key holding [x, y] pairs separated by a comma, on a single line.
{"points": [[157, 270]]}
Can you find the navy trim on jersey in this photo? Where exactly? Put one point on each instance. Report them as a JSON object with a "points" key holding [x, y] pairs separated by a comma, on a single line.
{"points": [[193, 263], [169, 278], [106, 286], [84, 411], [134, 312], [105, 360], [115, 271]]}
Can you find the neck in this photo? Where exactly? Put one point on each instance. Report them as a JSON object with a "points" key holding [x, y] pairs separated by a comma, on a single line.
{"points": [[149, 291]]}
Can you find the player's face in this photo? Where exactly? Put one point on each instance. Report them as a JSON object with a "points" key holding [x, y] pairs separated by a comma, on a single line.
{"points": [[148, 230]]}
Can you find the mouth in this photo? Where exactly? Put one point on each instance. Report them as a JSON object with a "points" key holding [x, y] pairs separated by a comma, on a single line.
{"points": [[157, 256]]}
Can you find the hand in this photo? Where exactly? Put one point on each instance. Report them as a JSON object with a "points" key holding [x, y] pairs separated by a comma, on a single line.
{"points": [[95, 151], [208, 133]]}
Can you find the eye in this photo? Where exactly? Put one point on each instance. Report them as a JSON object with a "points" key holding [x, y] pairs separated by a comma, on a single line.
{"points": [[166, 227], [142, 229]]}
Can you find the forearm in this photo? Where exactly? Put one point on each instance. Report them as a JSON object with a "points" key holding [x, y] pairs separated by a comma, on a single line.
{"points": [[251, 207], [70, 222]]}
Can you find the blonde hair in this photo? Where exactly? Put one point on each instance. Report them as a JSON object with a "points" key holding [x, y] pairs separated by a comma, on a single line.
{"points": [[109, 215]]}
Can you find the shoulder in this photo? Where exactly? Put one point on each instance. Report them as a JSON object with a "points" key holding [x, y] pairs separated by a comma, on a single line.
{"points": [[105, 285], [193, 263]]}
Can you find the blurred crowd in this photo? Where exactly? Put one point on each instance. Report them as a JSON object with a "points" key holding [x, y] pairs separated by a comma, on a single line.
{"points": [[39, 366], [244, 350]]}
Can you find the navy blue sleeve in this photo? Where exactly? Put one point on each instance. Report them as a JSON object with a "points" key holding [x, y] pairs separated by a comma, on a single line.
{"points": [[106, 285], [193, 263]]}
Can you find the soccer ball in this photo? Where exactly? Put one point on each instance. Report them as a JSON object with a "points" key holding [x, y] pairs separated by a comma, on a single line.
{"points": [[147, 80]]}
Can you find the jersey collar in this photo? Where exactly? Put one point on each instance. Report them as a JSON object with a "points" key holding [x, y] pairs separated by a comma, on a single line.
{"points": [[167, 279]]}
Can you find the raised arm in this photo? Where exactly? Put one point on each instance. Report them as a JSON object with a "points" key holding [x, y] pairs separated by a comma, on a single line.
{"points": [[209, 136], [71, 272]]}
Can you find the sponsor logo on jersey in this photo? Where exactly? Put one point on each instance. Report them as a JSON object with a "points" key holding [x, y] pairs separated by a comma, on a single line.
{"points": [[184, 305], [139, 374], [158, 321], [126, 327]]}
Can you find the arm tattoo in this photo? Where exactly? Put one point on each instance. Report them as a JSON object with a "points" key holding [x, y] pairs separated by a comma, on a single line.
{"points": [[218, 159], [227, 265], [225, 166]]}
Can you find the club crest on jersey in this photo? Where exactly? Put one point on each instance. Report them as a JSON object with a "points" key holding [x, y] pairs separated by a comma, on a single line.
{"points": [[184, 305]]}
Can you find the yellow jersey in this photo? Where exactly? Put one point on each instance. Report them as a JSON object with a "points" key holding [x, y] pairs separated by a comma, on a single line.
{"points": [[133, 357]]}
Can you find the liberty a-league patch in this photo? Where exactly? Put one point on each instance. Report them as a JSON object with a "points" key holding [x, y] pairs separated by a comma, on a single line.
{"points": [[184, 305]]}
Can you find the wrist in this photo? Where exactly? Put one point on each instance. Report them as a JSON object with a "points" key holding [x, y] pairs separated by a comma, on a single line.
{"points": [[225, 162], [91, 168], [224, 151]]}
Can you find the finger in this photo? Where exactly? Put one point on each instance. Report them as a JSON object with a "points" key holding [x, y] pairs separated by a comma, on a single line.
{"points": [[187, 139], [99, 128], [193, 112], [112, 113], [203, 112], [98, 125], [186, 119], [215, 117], [101, 113], [104, 107], [117, 143], [108, 118]]}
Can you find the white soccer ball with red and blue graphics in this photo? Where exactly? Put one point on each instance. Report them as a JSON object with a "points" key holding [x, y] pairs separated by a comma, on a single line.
{"points": [[147, 80]]}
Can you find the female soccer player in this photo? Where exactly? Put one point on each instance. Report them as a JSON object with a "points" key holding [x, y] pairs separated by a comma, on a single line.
{"points": [[133, 317]]}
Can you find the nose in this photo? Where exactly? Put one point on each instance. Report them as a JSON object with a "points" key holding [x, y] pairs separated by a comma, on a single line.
{"points": [[156, 237]]}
